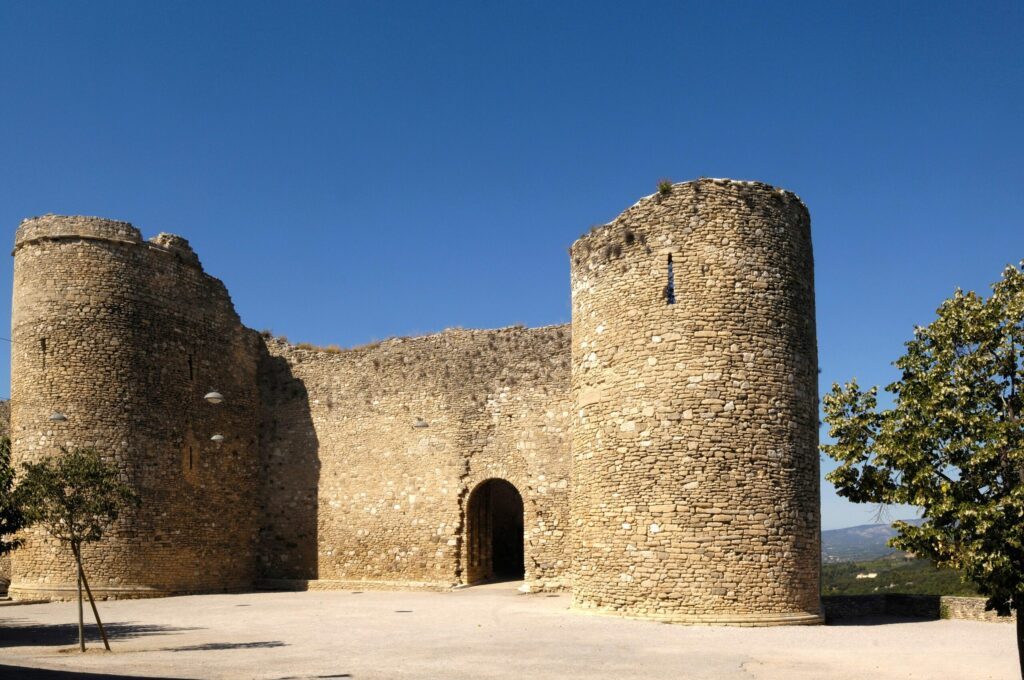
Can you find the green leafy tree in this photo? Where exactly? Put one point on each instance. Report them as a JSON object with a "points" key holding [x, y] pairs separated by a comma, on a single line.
{"points": [[11, 517], [75, 497], [950, 444]]}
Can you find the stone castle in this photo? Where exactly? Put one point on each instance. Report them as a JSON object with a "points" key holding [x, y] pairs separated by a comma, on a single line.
{"points": [[658, 456]]}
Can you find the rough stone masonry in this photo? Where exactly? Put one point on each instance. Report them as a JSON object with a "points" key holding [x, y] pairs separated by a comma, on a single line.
{"points": [[658, 457]]}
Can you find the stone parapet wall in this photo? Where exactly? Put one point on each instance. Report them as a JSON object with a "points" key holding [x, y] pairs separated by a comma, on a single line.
{"points": [[839, 607], [369, 454], [969, 608], [694, 379], [74, 227]]}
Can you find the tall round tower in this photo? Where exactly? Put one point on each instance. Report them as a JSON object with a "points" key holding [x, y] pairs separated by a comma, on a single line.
{"points": [[694, 379], [124, 337]]}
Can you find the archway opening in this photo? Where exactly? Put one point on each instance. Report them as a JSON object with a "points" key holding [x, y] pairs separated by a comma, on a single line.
{"points": [[494, 533]]}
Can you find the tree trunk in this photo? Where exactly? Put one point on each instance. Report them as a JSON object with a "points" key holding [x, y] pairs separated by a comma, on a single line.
{"points": [[81, 621], [1018, 610], [92, 602]]}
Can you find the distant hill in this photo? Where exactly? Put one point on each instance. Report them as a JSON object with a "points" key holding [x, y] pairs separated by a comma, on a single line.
{"points": [[896, 573], [857, 561], [859, 543]]}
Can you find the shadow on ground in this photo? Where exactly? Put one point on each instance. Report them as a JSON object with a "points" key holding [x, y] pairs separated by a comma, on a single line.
{"points": [[14, 633], [214, 646], [19, 673]]}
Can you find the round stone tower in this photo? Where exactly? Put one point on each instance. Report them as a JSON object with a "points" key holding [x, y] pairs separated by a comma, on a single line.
{"points": [[124, 337], [695, 429]]}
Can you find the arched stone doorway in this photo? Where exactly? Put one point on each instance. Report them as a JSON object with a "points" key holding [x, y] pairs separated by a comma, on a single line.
{"points": [[494, 532]]}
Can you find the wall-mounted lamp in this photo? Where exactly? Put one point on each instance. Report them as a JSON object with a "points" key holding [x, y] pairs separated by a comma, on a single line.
{"points": [[217, 439], [214, 397], [58, 417], [420, 423]]}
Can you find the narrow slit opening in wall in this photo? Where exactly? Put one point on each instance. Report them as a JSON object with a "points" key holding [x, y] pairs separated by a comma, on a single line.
{"points": [[191, 375], [190, 458], [670, 287], [42, 348]]}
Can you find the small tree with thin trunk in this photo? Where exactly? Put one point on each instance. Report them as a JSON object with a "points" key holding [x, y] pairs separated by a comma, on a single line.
{"points": [[952, 443], [75, 497], [11, 517]]}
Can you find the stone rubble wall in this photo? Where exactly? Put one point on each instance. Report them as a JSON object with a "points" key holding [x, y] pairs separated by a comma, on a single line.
{"points": [[5, 418], [970, 609], [695, 465], [665, 453], [124, 337], [355, 491], [5, 560]]}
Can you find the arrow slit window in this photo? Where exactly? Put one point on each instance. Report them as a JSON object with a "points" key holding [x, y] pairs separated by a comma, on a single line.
{"points": [[670, 286]]}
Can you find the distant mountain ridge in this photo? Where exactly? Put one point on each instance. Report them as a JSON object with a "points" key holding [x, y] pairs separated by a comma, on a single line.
{"points": [[859, 543]]}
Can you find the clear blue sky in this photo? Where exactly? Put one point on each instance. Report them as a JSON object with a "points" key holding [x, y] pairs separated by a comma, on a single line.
{"points": [[357, 171]]}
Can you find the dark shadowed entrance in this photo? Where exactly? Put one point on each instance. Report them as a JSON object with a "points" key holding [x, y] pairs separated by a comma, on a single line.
{"points": [[494, 526]]}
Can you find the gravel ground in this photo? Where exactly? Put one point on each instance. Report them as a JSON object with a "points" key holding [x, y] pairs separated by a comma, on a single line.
{"points": [[483, 632]]}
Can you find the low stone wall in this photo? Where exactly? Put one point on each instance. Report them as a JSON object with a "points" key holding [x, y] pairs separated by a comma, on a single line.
{"points": [[838, 607], [842, 607], [970, 608]]}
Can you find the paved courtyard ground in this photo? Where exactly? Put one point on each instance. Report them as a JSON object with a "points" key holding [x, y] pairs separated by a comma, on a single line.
{"points": [[484, 632]]}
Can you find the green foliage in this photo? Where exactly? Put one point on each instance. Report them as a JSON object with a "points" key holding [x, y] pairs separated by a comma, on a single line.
{"points": [[898, 574], [11, 517], [75, 496], [664, 187], [951, 443]]}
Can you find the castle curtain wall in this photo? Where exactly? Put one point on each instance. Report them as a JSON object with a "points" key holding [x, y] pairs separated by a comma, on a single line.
{"points": [[404, 430]]}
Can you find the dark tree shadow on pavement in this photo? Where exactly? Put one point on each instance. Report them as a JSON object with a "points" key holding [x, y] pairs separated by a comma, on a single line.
{"points": [[21, 673], [20, 633], [215, 646]]}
